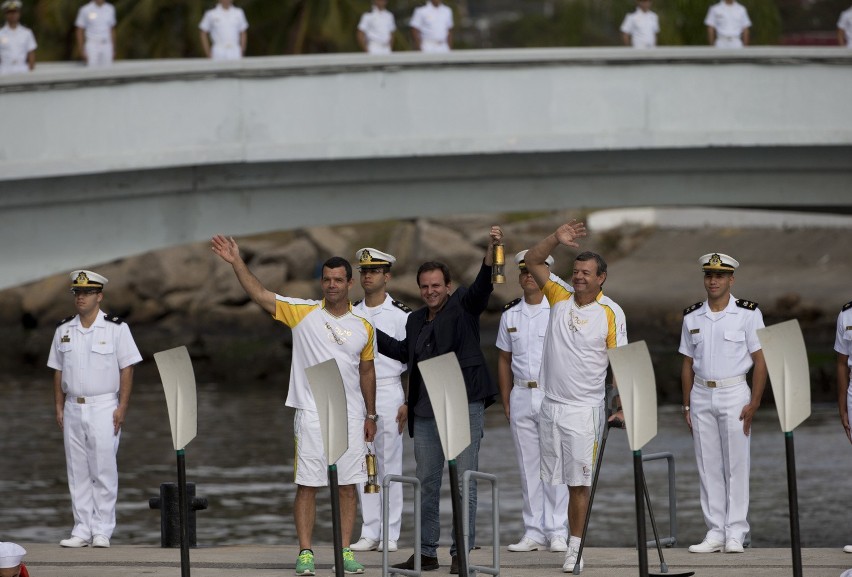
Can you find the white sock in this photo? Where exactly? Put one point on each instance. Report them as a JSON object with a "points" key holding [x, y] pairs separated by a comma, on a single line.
{"points": [[574, 542]]}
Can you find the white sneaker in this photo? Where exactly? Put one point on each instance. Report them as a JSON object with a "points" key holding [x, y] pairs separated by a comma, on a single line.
{"points": [[366, 544], [391, 545], [525, 544], [571, 560], [558, 544], [74, 542], [708, 546], [100, 541], [733, 546], [847, 549]]}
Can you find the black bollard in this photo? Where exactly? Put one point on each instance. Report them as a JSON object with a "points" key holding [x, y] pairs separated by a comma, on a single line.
{"points": [[168, 504]]}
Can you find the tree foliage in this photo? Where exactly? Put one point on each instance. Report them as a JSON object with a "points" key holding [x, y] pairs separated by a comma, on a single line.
{"points": [[169, 28]]}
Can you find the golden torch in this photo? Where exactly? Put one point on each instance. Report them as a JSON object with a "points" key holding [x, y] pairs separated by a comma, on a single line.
{"points": [[372, 484]]}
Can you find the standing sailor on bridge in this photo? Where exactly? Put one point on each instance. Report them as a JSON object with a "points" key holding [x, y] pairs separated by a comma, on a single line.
{"points": [[17, 43], [96, 33], [226, 25]]}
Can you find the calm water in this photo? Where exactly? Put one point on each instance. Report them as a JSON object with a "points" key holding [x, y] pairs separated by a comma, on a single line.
{"points": [[242, 459]]}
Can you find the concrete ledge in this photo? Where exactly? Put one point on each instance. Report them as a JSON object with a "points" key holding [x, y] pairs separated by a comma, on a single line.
{"points": [[45, 560]]}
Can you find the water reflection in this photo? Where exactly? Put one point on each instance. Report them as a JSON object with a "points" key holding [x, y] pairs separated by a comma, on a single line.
{"points": [[242, 460]]}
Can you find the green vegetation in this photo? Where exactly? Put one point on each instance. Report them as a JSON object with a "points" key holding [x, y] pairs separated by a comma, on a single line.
{"points": [[169, 28]]}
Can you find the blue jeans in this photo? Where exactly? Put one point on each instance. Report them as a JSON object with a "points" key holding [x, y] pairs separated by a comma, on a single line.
{"points": [[429, 456]]}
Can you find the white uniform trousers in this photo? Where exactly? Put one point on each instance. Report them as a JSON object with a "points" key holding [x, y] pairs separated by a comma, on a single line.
{"points": [[17, 68], [90, 451], [226, 52], [722, 452], [388, 449], [545, 506], [378, 48], [728, 42], [434, 46], [98, 53]]}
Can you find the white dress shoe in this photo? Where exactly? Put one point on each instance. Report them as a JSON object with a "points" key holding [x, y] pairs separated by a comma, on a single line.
{"points": [[733, 546], [558, 544], [74, 542], [100, 541], [707, 546], [847, 549], [365, 544], [525, 544], [571, 560], [392, 546]]}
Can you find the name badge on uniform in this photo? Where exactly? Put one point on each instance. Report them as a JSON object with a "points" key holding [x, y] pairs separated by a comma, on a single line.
{"points": [[512, 330], [65, 339], [694, 331], [849, 328]]}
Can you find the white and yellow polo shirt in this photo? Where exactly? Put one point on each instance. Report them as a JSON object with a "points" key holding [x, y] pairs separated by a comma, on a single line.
{"points": [[319, 336], [574, 363]]}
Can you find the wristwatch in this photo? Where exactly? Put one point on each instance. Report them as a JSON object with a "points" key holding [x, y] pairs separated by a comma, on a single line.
{"points": [[374, 418], [684, 409]]}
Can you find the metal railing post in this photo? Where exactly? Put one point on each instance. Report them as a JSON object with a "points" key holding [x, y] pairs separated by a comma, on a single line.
{"points": [[495, 521]]}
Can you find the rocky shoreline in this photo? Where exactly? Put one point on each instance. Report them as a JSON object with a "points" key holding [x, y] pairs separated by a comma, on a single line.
{"points": [[186, 296]]}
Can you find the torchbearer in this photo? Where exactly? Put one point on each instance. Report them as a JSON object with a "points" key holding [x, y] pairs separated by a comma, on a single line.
{"points": [[322, 330]]}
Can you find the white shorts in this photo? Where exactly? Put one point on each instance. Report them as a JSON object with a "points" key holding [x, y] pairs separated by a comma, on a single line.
{"points": [[311, 465], [568, 438]]}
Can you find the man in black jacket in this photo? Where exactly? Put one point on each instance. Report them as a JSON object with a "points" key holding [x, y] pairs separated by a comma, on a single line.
{"points": [[448, 323]]}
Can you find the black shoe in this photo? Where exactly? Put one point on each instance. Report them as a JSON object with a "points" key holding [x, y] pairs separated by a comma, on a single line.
{"points": [[426, 563], [454, 565]]}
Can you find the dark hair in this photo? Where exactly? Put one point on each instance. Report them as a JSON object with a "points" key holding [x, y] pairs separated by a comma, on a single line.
{"points": [[589, 255], [337, 262], [434, 265]]}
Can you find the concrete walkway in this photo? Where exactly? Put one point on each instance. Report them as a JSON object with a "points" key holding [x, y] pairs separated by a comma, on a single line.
{"points": [[49, 560]]}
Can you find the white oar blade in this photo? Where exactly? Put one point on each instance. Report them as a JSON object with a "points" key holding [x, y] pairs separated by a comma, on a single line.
{"points": [[787, 362], [634, 375], [445, 384], [330, 397], [178, 379]]}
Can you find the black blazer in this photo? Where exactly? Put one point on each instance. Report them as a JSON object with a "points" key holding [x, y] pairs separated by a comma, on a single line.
{"points": [[456, 329]]}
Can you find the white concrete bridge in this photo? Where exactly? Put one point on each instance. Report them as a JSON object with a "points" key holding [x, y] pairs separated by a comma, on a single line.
{"points": [[97, 165]]}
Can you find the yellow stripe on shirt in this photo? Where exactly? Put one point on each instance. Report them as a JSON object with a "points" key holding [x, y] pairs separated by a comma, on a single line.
{"points": [[292, 314], [555, 292]]}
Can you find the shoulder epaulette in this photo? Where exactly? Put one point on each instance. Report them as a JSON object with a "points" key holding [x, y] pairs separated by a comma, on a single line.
{"points": [[358, 302], [113, 319], [744, 304], [509, 305], [401, 306], [847, 306], [63, 321], [693, 308]]}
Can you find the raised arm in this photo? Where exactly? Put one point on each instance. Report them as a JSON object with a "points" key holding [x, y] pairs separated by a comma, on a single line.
{"points": [[227, 249], [536, 256], [392, 348]]}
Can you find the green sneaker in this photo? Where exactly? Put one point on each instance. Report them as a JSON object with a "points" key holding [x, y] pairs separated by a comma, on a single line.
{"points": [[305, 564], [350, 565]]}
